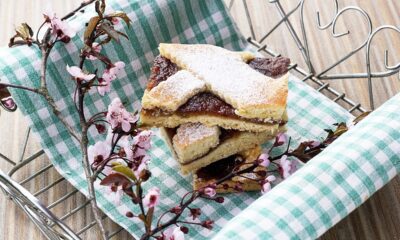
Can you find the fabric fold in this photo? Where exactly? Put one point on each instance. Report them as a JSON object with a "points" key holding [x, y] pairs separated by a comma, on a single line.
{"points": [[330, 186]]}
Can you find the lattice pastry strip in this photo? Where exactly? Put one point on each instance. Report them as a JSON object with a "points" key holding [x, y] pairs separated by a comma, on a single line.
{"points": [[169, 95], [227, 75]]}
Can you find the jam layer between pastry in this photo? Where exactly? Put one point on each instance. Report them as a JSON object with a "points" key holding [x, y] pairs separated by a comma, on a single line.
{"points": [[206, 103], [230, 142], [223, 167]]}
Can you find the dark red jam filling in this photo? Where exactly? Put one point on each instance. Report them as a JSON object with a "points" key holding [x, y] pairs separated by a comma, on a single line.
{"points": [[271, 67], [220, 169], [162, 69], [206, 102]]}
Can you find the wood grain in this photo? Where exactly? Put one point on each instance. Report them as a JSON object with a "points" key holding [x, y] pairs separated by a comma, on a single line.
{"points": [[377, 218]]}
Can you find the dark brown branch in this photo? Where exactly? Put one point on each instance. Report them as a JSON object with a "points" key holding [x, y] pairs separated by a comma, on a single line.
{"points": [[34, 90], [83, 4]]}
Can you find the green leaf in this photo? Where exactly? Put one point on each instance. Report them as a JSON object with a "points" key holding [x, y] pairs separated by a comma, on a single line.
{"points": [[91, 27], [24, 31], [28, 28], [126, 171]]}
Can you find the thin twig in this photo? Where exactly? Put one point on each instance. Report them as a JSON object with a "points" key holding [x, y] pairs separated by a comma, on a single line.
{"points": [[85, 159], [83, 4], [19, 87]]}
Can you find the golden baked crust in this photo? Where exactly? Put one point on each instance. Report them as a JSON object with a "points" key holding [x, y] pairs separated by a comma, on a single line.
{"points": [[174, 120], [193, 140], [240, 142], [248, 185], [169, 95], [227, 75]]}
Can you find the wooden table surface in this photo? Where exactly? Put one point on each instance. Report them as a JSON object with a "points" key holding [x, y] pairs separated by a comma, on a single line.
{"points": [[377, 218]]}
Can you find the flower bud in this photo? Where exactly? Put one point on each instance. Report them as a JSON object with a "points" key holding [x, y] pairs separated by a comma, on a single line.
{"points": [[195, 212], [145, 175], [65, 39], [176, 210], [207, 224], [100, 128], [129, 215], [9, 104], [184, 229]]}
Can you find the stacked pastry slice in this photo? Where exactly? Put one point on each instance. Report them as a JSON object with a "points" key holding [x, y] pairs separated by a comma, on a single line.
{"points": [[214, 105]]}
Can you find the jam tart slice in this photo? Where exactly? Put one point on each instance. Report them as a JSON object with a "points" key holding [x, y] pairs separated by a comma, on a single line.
{"points": [[195, 145], [216, 87]]}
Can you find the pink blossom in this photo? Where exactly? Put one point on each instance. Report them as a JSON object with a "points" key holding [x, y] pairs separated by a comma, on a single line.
{"points": [[173, 234], [78, 74], [49, 15], [294, 166], [287, 167], [263, 160], [266, 187], [113, 194], [114, 20], [107, 76], [118, 116], [104, 88], [96, 47], [142, 166], [98, 152], [152, 198], [143, 139], [209, 191], [59, 28], [111, 73], [280, 139], [127, 146]]}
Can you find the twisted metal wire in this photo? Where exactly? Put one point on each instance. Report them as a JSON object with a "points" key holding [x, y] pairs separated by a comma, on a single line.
{"points": [[304, 48]]}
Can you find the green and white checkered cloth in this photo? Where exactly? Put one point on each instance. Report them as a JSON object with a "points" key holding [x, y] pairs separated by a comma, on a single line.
{"points": [[331, 185]]}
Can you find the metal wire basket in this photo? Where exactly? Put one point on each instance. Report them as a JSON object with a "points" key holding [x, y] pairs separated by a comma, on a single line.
{"points": [[54, 223]]}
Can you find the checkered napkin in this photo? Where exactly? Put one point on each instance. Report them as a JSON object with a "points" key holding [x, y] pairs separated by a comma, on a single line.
{"points": [[193, 21], [330, 186]]}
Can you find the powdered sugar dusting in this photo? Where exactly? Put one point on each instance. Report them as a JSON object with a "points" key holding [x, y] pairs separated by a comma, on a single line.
{"points": [[175, 91], [227, 75], [190, 133]]}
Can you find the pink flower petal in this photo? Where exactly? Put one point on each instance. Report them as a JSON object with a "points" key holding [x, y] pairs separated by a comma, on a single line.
{"points": [[264, 160], [270, 178], [266, 187], [152, 198], [210, 191]]}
